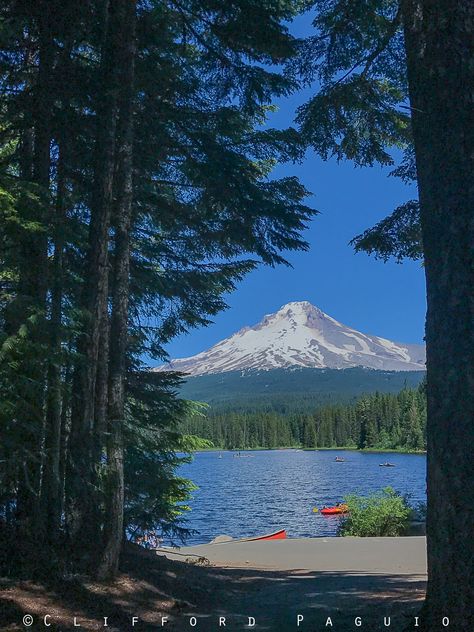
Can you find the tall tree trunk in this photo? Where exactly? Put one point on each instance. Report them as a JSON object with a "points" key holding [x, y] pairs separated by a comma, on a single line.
{"points": [[64, 436], [33, 275], [99, 438], [113, 529], [51, 484], [81, 494], [101, 391], [439, 37], [51, 492]]}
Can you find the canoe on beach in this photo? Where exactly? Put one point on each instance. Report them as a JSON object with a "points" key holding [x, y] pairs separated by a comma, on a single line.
{"points": [[275, 535]]}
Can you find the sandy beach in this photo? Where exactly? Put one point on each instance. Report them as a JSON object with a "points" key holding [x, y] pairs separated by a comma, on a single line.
{"points": [[405, 555]]}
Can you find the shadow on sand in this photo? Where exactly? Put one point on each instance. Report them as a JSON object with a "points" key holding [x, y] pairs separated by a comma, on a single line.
{"points": [[152, 587]]}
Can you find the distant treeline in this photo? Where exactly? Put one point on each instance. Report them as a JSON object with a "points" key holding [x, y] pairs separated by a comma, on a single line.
{"points": [[381, 420]]}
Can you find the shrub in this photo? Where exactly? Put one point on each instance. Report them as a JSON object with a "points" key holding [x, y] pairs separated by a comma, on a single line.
{"points": [[384, 513]]}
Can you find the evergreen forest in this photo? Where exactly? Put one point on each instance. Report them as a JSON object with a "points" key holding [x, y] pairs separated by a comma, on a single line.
{"points": [[381, 421]]}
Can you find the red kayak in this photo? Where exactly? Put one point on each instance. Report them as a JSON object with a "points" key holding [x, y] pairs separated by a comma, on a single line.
{"points": [[331, 511], [276, 535]]}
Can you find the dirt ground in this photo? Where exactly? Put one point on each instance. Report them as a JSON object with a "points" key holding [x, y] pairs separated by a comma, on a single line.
{"points": [[166, 594]]}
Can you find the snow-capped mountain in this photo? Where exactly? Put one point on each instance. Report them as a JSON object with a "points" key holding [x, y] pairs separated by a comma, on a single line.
{"points": [[301, 335]]}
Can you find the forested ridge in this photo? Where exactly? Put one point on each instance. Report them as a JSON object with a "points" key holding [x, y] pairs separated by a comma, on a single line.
{"points": [[381, 421], [292, 390]]}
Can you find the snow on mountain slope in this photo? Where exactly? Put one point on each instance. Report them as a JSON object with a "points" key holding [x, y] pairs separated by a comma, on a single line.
{"points": [[300, 334]]}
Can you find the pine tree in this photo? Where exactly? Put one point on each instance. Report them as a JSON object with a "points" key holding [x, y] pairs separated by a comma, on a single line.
{"points": [[309, 436]]}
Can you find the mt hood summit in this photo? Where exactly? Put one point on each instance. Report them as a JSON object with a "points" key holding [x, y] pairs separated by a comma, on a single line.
{"points": [[301, 335]]}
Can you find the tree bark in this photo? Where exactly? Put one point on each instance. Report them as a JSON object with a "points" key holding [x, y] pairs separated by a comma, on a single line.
{"points": [[439, 37], [99, 439], [113, 528]]}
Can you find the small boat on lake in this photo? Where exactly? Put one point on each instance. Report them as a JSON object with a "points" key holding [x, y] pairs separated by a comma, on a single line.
{"points": [[339, 459], [333, 511], [387, 464]]}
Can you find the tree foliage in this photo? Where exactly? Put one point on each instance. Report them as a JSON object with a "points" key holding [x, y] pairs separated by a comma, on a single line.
{"points": [[384, 514], [360, 111]]}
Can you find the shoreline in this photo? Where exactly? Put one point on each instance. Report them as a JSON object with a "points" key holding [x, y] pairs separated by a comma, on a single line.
{"points": [[331, 449]]}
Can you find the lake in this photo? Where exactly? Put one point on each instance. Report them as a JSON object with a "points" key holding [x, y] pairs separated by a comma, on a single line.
{"points": [[275, 489]]}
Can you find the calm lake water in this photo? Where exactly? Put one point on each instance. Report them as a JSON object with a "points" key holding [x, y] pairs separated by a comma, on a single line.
{"points": [[275, 489]]}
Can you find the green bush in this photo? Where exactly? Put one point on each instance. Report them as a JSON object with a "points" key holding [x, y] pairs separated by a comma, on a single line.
{"points": [[384, 513]]}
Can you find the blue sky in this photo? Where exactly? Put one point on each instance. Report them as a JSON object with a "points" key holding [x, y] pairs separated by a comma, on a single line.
{"points": [[385, 299]]}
